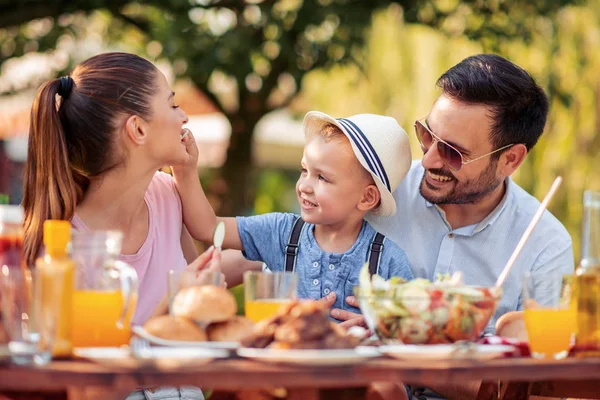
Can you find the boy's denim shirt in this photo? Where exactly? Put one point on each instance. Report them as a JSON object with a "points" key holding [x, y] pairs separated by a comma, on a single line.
{"points": [[264, 238]]}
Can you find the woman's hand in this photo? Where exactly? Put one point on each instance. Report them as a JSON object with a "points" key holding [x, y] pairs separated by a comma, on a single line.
{"points": [[210, 260], [190, 167]]}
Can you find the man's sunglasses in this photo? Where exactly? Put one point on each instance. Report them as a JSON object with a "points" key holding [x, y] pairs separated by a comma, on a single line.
{"points": [[450, 156]]}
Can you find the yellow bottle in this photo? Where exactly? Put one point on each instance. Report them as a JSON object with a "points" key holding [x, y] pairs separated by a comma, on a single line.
{"points": [[58, 269]]}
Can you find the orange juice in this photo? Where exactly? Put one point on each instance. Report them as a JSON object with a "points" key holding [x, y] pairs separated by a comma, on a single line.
{"points": [[257, 310], [95, 316], [550, 330]]}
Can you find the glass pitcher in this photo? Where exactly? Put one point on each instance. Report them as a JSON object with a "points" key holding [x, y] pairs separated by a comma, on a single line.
{"points": [[106, 290]]}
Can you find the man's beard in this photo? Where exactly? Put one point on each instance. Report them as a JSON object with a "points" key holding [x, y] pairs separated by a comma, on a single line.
{"points": [[465, 192]]}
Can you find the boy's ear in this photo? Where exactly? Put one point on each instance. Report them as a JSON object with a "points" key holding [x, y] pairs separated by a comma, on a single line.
{"points": [[370, 199]]}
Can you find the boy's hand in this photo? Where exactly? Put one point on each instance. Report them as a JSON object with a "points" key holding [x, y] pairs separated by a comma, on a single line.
{"points": [[191, 165], [349, 318]]}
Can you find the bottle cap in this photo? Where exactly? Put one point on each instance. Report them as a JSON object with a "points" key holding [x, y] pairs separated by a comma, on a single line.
{"points": [[57, 235], [11, 214]]}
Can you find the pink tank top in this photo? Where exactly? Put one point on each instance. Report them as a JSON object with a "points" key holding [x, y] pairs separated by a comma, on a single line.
{"points": [[161, 251]]}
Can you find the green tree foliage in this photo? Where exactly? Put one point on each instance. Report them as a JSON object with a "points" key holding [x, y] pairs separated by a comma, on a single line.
{"points": [[403, 62], [259, 50]]}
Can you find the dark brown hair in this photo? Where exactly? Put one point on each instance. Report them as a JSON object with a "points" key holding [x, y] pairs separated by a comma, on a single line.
{"points": [[72, 138], [519, 107]]}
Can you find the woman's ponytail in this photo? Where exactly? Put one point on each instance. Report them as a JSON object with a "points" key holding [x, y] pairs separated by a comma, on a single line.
{"points": [[50, 191]]}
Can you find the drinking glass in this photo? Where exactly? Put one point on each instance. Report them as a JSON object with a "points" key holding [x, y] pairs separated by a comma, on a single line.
{"points": [[178, 280], [266, 292], [31, 303], [549, 314]]}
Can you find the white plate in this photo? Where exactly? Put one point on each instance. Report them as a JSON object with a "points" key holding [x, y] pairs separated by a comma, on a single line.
{"points": [[4, 353], [141, 332], [163, 357], [311, 357], [444, 351]]}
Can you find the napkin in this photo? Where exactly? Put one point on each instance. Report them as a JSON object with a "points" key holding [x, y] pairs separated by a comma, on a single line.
{"points": [[521, 349]]}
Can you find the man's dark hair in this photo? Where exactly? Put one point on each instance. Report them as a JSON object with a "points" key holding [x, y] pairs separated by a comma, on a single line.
{"points": [[518, 106]]}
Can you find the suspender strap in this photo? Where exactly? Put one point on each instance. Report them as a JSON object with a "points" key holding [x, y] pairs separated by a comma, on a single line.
{"points": [[375, 250], [291, 249]]}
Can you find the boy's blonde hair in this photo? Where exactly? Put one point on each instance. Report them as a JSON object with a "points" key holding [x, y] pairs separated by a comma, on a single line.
{"points": [[330, 132]]}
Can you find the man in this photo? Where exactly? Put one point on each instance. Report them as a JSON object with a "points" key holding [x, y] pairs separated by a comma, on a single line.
{"points": [[458, 208]]}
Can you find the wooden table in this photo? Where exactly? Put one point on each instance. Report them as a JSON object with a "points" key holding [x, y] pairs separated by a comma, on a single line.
{"points": [[570, 377]]}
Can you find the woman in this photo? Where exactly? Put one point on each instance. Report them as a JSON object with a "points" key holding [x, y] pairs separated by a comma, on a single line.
{"points": [[96, 141]]}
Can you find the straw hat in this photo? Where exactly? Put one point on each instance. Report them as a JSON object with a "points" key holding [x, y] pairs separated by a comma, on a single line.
{"points": [[380, 144]]}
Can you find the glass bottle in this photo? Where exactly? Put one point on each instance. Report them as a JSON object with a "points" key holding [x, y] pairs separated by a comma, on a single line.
{"points": [[11, 235], [57, 235], [587, 280], [11, 248]]}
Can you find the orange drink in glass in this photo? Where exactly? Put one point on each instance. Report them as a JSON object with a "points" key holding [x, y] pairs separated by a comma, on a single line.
{"points": [[105, 293], [257, 310], [266, 292], [549, 315], [95, 316]]}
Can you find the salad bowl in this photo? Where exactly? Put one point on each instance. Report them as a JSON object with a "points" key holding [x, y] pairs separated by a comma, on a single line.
{"points": [[424, 312]]}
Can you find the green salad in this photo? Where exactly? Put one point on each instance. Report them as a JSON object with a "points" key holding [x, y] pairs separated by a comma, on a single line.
{"points": [[424, 312]]}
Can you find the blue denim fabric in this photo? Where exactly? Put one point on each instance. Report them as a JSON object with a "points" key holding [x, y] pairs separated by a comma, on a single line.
{"points": [[264, 238]]}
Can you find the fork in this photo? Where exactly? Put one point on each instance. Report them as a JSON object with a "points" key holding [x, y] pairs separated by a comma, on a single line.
{"points": [[140, 348]]}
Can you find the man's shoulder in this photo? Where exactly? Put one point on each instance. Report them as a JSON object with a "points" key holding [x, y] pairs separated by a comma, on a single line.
{"points": [[389, 246], [409, 204], [524, 208]]}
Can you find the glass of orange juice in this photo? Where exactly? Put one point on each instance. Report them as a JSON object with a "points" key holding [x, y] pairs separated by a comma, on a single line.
{"points": [[265, 292], [549, 314]]}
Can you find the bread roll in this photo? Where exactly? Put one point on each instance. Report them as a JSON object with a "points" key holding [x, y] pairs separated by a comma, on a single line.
{"points": [[174, 328], [232, 330], [204, 304]]}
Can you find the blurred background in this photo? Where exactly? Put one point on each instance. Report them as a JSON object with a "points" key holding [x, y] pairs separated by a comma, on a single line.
{"points": [[246, 71]]}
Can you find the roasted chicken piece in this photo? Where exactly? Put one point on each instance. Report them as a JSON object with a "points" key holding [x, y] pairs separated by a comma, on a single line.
{"points": [[300, 325], [304, 323], [262, 334]]}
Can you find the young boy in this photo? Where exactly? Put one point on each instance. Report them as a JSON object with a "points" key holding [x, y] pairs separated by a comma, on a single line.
{"points": [[350, 168]]}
